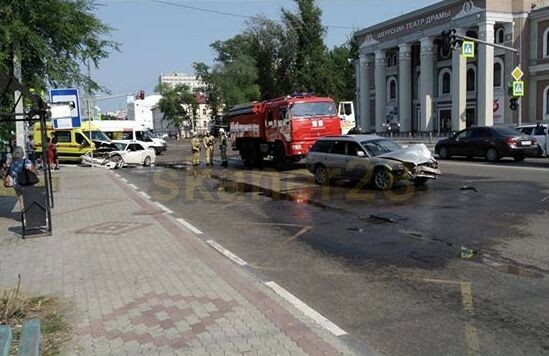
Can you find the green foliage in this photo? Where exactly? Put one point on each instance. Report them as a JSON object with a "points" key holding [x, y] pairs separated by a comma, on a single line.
{"points": [[311, 62], [271, 59], [53, 40], [232, 80], [178, 105], [341, 66]]}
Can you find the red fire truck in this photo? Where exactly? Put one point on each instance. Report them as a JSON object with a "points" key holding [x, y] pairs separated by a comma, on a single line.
{"points": [[284, 128]]}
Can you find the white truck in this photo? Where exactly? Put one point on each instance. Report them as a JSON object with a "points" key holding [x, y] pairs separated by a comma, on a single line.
{"points": [[347, 115], [131, 131]]}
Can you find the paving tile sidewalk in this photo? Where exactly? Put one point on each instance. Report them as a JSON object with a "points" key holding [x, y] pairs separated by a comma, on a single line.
{"points": [[139, 283]]}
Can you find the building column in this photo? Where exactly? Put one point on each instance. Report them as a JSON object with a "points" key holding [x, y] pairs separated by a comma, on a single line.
{"points": [[426, 84], [381, 89], [405, 86], [365, 84], [485, 90], [459, 89]]}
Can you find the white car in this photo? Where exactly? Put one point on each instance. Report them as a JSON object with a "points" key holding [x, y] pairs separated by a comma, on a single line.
{"points": [[530, 130], [131, 153]]}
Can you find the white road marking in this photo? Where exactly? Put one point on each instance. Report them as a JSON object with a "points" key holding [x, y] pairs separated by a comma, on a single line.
{"points": [[133, 186], [163, 207], [145, 195], [189, 226], [307, 310], [123, 180], [546, 198], [231, 256], [492, 166]]}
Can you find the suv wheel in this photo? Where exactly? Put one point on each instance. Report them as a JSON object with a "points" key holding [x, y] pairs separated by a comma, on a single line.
{"points": [[321, 175], [383, 179]]}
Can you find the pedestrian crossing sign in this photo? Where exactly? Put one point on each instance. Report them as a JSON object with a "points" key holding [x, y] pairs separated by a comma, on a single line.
{"points": [[468, 49], [518, 88]]}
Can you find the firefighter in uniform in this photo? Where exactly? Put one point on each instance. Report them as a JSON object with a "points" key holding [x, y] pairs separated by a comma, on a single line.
{"points": [[195, 144], [223, 147], [209, 141]]}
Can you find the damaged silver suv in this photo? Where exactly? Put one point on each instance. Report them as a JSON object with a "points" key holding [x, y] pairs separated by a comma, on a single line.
{"points": [[370, 158]]}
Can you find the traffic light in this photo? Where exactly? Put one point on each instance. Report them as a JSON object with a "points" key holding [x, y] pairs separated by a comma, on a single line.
{"points": [[450, 40], [446, 41], [513, 104]]}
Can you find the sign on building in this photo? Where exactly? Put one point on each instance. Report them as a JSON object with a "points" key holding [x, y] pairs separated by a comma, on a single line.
{"points": [[71, 98], [518, 88], [468, 49]]}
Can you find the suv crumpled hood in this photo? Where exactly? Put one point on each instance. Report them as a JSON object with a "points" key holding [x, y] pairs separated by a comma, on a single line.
{"points": [[417, 154]]}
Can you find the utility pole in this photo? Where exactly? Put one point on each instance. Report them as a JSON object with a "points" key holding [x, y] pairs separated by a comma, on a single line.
{"points": [[89, 115], [19, 125]]}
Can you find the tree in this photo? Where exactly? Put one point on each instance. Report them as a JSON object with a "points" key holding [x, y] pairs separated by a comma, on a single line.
{"points": [[178, 105], [341, 70], [310, 63], [211, 88], [233, 80], [53, 40], [274, 54]]}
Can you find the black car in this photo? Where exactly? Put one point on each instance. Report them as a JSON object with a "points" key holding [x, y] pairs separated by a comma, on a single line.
{"points": [[492, 143]]}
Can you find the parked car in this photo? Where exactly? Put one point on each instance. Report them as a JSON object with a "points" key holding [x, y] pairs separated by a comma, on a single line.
{"points": [[538, 134], [492, 143], [370, 158], [124, 154]]}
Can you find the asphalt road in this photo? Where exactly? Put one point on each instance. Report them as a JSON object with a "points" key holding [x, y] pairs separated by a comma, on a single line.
{"points": [[463, 269]]}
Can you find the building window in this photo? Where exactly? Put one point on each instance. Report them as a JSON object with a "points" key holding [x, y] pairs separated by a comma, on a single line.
{"points": [[444, 82], [546, 103], [471, 79], [392, 88], [500, 35], [546, 43], [498, 72], [204, 112]]}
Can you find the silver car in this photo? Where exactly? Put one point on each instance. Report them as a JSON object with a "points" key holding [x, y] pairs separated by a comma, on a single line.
{"points": [[371, 159]]}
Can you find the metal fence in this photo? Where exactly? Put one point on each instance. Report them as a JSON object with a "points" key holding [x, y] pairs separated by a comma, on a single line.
{"points": [[420, 137]]}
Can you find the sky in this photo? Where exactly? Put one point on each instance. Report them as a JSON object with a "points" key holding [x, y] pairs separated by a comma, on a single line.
{"points": [[158, 38]]}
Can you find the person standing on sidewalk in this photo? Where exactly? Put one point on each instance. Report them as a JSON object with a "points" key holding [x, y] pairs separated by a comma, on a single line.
{"points": [[52, 151], [18, 164], [31, 150], [195, 146], [223, 147], [209, 141]]}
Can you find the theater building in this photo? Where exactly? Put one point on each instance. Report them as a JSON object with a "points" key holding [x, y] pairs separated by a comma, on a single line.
{"points": [[405, 75]]}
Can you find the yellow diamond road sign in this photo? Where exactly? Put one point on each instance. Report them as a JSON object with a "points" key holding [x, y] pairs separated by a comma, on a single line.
{"points": [[468, 49], [517, 73], [518, 88]]}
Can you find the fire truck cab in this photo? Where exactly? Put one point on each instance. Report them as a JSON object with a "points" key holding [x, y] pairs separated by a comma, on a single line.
{"points": [[284, 128]]}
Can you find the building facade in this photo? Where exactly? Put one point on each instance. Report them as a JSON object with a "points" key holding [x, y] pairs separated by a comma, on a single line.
{"points": [[180, 78], [405, 75], [202, 121], [141, 110]]}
